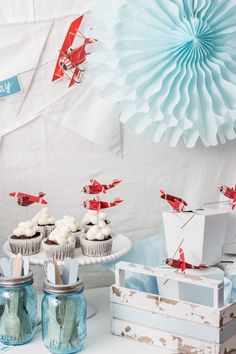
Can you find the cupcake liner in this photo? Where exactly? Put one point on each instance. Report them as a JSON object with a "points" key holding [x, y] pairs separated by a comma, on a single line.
{"points": [[46, 230], [77, 236], [59, 252], [96, 248], [25, 247]]}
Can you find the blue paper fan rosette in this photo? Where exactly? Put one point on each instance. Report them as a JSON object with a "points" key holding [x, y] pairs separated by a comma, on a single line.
{"points": [[171, 64]]}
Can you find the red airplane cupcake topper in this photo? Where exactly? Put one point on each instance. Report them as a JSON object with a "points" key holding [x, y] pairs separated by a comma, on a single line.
{"points": [[176, 203], [95, 188], [229, 193], [97, 204], [70, 62], [181, 264], [25, 199]]}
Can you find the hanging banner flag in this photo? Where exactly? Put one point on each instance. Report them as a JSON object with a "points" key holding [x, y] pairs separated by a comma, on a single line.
{"points": [[10, 86]]}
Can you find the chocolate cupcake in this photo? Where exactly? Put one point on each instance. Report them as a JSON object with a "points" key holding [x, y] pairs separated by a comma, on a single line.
{"points": [[76, 229], [59, 244], [97, 241], [26, 239], [45, 221], [92, 218]]}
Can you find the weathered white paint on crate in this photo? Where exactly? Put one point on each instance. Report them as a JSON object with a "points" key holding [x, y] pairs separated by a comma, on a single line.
{"points": [[172, 324], [144, 317], [171, 341]]}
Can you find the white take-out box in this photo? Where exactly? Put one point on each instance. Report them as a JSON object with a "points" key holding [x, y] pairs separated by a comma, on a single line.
{"points": [[202, 237], [230, 238]]}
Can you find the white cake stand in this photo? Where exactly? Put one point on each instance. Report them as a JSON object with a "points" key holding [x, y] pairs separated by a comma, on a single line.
{"points": [[121, 245]]}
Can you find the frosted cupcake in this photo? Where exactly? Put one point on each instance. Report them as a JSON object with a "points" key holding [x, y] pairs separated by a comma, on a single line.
{"points": [[59, 244], [45, 221], [26, 238], [75, 226], [92, 218], [97, 241]]}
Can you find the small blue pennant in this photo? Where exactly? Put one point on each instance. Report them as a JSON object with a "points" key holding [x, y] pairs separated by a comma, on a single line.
{"points": [[10, 86]]}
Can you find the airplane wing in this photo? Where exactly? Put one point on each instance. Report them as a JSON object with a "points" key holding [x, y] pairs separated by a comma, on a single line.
{"points": [[181, 201], [17, 194], [35, 199], [172, 198], [69, 39], [95, 182]]}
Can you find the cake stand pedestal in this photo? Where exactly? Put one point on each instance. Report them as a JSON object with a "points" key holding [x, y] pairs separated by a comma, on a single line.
{"points": [[121, 245]]}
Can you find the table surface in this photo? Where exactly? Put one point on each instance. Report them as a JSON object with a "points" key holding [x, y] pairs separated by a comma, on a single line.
{"points": [[99, 339]]}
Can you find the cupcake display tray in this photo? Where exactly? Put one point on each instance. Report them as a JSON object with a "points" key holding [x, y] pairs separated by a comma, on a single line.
{"points": [[121, 246]]}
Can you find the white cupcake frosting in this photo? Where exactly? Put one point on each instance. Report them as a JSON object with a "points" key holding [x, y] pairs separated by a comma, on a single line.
{"points": [[70, 221], [91, 217], [26, 228], [61, 235], [44, 217], [98, 233]]}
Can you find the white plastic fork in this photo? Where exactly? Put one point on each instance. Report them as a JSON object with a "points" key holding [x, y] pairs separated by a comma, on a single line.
{"points": [[68, 324], [54, 329], [12, 322]]}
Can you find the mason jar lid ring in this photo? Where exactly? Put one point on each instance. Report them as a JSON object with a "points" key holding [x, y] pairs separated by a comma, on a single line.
{"points": [[11, 282], [63, 289]]}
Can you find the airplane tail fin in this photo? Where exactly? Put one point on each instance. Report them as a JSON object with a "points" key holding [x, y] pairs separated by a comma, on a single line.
{"points": [[118, 200], [163, 194], [41, 194], [116, 181], [182, 260], [234, 201]]}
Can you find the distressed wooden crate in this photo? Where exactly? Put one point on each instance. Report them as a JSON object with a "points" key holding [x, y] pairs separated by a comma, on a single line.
{"points": [[173, 324]]}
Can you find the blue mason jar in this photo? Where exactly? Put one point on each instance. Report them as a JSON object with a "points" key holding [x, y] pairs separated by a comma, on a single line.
{"points": [[64, 326], [18, 310]]}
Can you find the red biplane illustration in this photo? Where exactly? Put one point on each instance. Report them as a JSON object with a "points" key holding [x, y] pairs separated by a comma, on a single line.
{"points": [[181, 264], [97, 204], [229, 193], [25, 199], [176, 203], [96, 187], [70, 62]]}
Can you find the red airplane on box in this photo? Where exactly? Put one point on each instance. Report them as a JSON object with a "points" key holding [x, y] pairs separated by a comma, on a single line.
{"points": [[181, 264], [25, 199], [176, 203], [96, 187], [70, 62], [229, 193], [97, 204]]}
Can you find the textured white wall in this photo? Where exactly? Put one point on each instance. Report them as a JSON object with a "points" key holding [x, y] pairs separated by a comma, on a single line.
{"points": [[46, 156]]}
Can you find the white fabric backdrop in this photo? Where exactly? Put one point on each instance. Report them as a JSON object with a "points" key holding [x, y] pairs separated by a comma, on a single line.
{"points": [[45, 155]]}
